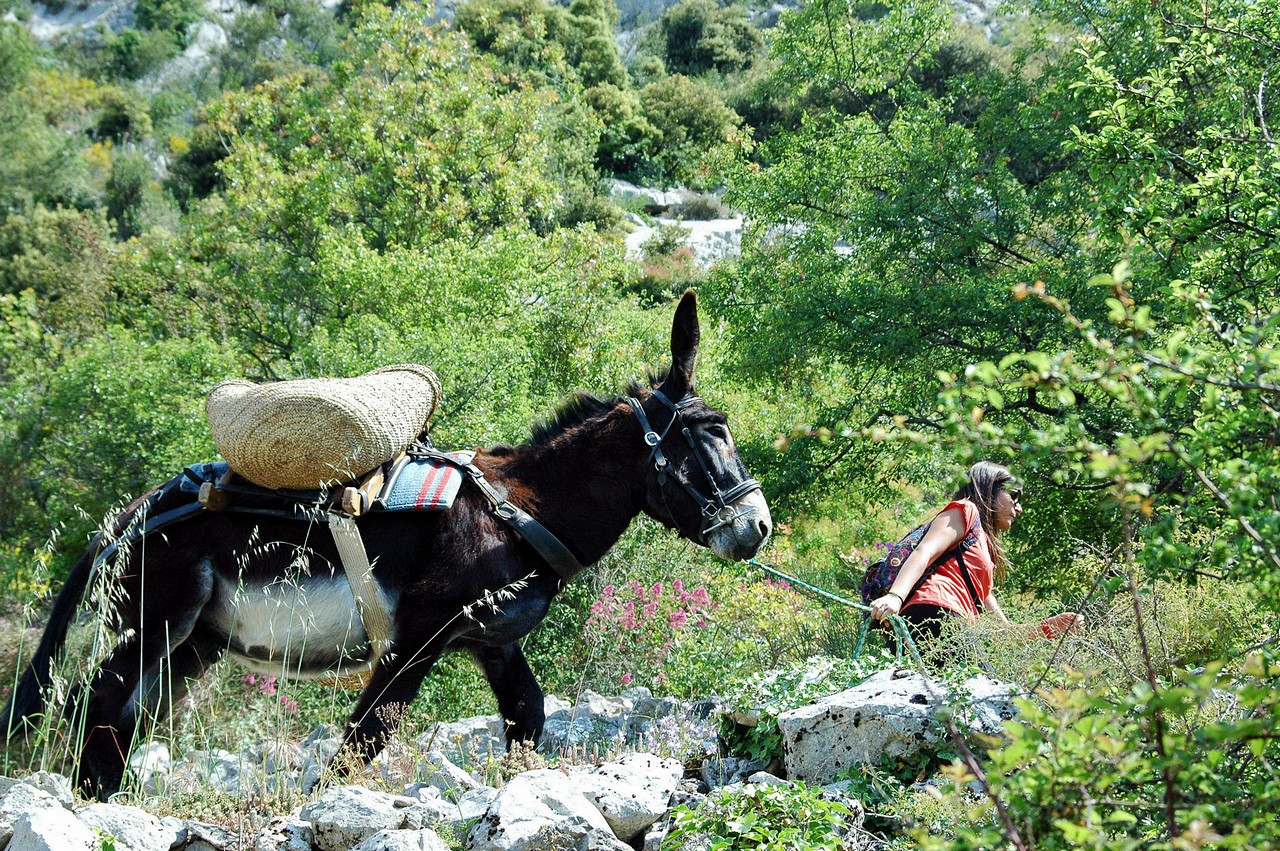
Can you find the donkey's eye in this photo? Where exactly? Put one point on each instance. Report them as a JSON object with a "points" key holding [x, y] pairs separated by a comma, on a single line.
{"points": [[718, 432]]}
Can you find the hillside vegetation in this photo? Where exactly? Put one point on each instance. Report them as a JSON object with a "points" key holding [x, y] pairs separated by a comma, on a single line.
{"points": [[1052, 241]]}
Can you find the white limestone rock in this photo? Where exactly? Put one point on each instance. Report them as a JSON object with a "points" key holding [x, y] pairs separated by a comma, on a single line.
{"points": [[631, 792], [51, 829], [133, 829], [893, 713], [536, 810], [20, 800], [345, 816]]}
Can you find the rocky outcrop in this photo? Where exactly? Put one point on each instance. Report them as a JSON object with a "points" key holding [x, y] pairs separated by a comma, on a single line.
{"points": [[893, 714]]}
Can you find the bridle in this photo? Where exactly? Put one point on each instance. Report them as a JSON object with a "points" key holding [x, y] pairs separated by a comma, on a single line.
{"points": [[716, 510]]}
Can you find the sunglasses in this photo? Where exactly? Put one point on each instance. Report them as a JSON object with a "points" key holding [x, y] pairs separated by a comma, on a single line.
{"points": [[1015, 493]]}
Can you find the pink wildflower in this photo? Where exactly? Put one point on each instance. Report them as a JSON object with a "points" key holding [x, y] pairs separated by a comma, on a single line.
{"points": [[678, 620], [608, 591], [656, 590], [678, 585], [626, 679], [251, 680], [650, 609]]}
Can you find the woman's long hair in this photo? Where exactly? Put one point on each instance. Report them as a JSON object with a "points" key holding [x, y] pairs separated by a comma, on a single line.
{"points": [[986, 480]]}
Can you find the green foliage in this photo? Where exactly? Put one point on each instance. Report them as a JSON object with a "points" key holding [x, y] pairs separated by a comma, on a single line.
{"points": [[41, 160], [694, 37], [135, 53], [548, 40], [17, 56], [627, 140], [768, 818], [133, 195], [174, 15], [1162, 765], [691, 119], [122, 116]]}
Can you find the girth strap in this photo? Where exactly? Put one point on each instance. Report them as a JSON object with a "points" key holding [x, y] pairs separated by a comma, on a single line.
{"points": [[548, 546], [552, 550], [355, 562]]}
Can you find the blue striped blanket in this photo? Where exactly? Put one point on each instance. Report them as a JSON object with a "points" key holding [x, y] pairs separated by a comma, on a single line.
{"points": [[424, 484]]}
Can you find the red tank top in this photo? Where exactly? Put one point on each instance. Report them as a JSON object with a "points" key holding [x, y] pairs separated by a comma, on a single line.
{"points": [[946, 588]]}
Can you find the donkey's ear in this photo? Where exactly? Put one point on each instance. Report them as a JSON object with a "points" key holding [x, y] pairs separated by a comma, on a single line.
{"points": [[684, 345]]}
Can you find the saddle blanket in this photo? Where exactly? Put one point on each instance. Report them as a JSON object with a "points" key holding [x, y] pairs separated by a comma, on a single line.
{"points": [[424, 484]]}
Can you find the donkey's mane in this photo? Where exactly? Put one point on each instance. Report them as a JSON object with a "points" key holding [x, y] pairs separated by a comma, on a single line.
{"points": [[580, 407]]}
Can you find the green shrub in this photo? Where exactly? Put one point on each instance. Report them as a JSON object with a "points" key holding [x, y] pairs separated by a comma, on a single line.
{"points": [[1165, 764], [136, 53], [768, 818]]}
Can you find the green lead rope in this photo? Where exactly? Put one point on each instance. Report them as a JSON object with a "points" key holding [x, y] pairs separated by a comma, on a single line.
{"points": [[906, 646]]}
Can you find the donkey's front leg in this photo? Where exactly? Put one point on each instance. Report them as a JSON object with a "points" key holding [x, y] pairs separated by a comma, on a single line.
{"points": [[395, 683], [519, 695]]}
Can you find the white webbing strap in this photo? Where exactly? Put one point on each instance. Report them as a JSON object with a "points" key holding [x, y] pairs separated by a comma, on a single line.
{"points": [[355, 561]]}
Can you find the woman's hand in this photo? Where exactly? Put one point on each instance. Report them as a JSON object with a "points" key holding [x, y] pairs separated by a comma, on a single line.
{"points": [[1061, 624], [884, 607]]}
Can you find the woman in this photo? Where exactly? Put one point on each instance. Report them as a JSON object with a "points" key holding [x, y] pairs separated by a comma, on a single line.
{"points": [[982, 511]]}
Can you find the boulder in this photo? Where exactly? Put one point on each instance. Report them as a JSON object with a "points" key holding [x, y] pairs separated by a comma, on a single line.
{"points": [[345, 816], [201, 836], [467, 741], [631, 792], [538, 810], [151, 764], [403, 840], [51, 829], [442, 774], [20, 800], [133, 829], [285, 833], [893, 713], [55, 784]]}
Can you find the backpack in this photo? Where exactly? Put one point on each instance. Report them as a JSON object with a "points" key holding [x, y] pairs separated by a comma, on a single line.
{"points": [[880, 575]]}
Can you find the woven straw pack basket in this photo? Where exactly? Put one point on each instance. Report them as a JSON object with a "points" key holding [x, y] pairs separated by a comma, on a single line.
{"points": [[315, 432]]}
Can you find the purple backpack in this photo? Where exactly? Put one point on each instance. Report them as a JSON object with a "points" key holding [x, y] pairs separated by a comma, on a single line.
{"points": [[880, 575]]}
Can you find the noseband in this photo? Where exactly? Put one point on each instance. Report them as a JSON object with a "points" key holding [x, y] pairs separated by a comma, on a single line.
{"points": [[716, 510]]}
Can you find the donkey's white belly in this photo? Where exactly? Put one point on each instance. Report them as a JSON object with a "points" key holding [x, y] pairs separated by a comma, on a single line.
{"points": [[304, 626]]}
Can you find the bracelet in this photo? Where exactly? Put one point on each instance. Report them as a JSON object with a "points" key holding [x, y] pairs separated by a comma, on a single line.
{"points": [[895, 594]]}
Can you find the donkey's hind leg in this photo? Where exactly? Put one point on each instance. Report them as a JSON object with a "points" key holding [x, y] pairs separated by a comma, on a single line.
{"points": [[130, 678]]}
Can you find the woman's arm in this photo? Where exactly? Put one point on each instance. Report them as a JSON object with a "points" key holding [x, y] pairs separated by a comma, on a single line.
{"points": [[947, 530], [1051, 627]]}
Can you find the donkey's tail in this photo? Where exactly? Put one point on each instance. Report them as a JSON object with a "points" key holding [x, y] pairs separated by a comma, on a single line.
{"points": [[28, 696]]}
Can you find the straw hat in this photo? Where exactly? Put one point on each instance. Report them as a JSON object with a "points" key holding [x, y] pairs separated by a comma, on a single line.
{"points": [[314, 432]]}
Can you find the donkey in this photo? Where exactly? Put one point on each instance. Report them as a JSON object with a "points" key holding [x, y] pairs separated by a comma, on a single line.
{"points": [[271, 592]]}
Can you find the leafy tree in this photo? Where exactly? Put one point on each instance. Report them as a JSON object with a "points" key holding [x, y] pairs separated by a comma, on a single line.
{"points": [[691, 119], [172, 15], [135, 53], [41, 149], [627, 141], [694, 37], [415, 140], [592, 50], [17, 56], [913, 230]]}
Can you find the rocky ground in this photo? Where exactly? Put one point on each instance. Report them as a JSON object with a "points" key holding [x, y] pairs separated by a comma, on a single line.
{"points": [[623, 802]]}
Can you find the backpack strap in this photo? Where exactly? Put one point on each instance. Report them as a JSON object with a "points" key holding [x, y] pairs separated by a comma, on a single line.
{"points": [[970, 534], [964, 574]]}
